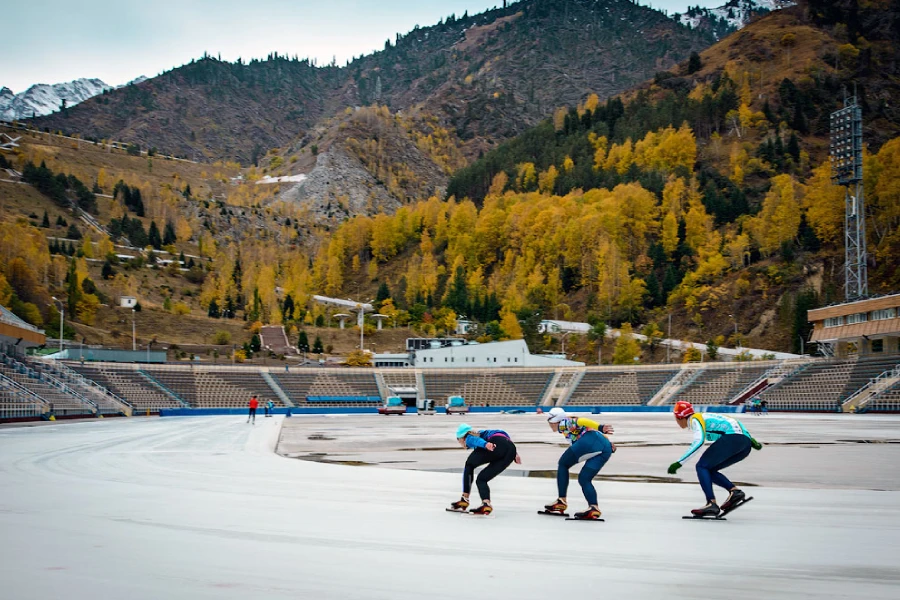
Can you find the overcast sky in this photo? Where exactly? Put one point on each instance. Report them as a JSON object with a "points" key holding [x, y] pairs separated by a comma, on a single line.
{"points": [[52, 41]]}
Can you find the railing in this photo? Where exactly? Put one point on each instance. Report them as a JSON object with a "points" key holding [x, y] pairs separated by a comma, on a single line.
{"points": [[44, 378], [875, 385], [17, 401], [165, 389], [73, 377]]}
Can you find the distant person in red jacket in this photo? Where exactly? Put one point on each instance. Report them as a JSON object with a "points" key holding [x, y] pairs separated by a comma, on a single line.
{"points": [[254, 404]]}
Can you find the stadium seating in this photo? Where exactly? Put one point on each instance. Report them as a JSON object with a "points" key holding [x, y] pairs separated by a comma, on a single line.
{"points": [[493, 388], [341, 388], [15, 404], [886, 401], [129, 385], [823, 386], [214, 389], [611, 387], [718, 385]]}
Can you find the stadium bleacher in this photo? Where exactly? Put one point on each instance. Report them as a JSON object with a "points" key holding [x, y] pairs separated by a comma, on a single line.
{"points": [[614, 387], [130, 385], [823, 386], [820, 385], [493, 388], [332, 387], [718, 385]]}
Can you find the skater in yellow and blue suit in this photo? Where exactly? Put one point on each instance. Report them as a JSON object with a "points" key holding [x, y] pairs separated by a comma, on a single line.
{"points": [[589, 445]]}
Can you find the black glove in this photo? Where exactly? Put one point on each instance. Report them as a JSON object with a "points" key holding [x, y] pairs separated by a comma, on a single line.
{"points": [[673, 468], [756, 445]]}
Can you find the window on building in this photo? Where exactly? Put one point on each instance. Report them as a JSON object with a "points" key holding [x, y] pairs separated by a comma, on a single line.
{"points": [[884, 313], [856, 318], [495, 359], [834, 322], [878, 345]]}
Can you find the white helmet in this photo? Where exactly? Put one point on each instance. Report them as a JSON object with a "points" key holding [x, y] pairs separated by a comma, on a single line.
{"points": [[556, 415]]}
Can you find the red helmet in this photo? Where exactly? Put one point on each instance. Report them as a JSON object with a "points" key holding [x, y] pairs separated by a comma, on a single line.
{"points": [[683, 409]]}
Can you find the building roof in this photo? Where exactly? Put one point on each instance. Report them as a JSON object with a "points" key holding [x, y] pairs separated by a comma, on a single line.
{"points": [[7, 316]]}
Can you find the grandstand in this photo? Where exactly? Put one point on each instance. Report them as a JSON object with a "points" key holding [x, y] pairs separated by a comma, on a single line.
{"points": [[330, 387], [886, 401], [825, 385], [611, 386], [492, 388], [221, 387], [718, 384], [32, 388], [129, 384], [60, 399]]}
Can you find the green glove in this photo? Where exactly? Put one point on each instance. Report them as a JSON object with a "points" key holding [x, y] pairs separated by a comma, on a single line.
{"points": [[756, 445], [673, 468]]}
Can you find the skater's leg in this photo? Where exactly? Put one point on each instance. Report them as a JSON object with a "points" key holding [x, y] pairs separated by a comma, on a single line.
{"points": [[588, 471], [705, 478], [505, 454], [478, 457], [726, 451], [568, 460]]}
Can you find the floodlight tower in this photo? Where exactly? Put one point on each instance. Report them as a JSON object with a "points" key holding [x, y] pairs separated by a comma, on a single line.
{"points": [[846, 169], [361, 308]]}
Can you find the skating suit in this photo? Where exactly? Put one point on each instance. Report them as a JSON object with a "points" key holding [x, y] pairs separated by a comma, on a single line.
{"points": [[710, 427], [573, 429], [481, 440]]}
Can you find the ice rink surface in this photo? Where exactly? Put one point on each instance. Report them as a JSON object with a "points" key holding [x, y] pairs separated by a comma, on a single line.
{"points": [[203, 507]]}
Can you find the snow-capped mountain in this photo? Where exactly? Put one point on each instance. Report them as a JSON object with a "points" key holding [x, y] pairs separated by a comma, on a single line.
{"points": [[729, 17], [43, 99]]}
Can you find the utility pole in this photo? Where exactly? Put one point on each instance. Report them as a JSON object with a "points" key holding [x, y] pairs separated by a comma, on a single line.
{"points": [[669, 345], [62, 314], [133, 337]]}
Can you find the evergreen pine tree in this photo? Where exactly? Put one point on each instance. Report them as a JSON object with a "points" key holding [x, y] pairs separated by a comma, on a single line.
{"points": [[45, 223], [317, 346], [169, 236], [384, 292], [303, 342], [153, 236], [213, 310]]}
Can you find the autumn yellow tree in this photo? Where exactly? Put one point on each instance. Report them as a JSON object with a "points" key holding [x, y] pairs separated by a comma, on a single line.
{"points": [[627, 349], [779, 219], [824, 204]]}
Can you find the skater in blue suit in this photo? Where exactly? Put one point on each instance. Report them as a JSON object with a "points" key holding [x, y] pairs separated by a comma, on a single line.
{"points": [[731, 444], [491, 447], [589, 445]]}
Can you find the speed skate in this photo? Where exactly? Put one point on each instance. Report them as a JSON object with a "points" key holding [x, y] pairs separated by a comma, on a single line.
{"points": [[721, 515]]}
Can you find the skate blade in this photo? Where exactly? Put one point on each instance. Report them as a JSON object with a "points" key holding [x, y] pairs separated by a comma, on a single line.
{"points": [[457, 510], [737, 506], [695, 518], [576, 519], [552, 514]]}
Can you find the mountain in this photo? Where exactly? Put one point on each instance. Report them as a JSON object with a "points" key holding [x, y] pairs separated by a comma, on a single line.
{"points": [[728, 18], [486, 78], [43, 99]]}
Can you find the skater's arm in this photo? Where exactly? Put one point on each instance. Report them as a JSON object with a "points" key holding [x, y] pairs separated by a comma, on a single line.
{"points": [[582, 422], [474, 441], [699, 436]]}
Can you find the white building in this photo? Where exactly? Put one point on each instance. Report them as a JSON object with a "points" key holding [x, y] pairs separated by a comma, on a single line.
{"points": [[554, 326], [463, 326], [513, 353], [127, 301]]}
